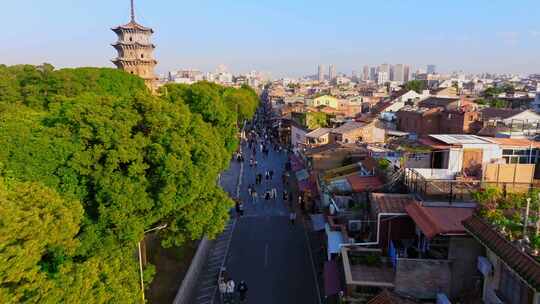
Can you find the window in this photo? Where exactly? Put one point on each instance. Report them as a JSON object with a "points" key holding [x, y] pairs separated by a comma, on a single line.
{"points": [[131, 39], [142, 55], [507, 152]]}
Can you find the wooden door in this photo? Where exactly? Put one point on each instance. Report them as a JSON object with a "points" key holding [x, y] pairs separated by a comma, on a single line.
{"points": [[472, 162]]}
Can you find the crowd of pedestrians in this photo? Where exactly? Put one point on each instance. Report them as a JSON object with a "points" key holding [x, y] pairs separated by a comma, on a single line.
{"points": [[257, 138]]}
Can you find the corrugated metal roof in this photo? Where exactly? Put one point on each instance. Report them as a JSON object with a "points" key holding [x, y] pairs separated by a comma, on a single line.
{"points": [[460, 139]]}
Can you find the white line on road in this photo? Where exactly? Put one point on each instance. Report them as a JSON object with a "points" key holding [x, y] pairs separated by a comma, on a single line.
{"points": [[266, 255]]}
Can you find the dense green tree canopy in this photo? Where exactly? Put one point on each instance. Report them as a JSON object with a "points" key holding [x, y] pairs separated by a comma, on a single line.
{"points": [[93, 148], [416, 85]]}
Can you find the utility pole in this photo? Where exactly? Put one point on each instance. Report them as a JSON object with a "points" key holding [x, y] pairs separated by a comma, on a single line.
{"points": [[140, 258], [526, 220]]}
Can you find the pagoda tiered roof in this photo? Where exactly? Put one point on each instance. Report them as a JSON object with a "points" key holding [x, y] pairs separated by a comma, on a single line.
{"points": [[119, 44], [132, 26], [134, 61]]}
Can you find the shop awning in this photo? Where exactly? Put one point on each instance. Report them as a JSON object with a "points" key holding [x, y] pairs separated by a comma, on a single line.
{"points": [[317, 220], [334, 240]]}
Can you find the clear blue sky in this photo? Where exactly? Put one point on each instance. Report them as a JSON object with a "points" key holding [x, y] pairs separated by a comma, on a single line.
{"points": [[285, 37]]}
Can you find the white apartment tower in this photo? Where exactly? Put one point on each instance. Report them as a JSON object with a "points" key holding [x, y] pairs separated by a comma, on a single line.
{"points": [[320, 73], [331, 72], [365, 73], [399, 73]]}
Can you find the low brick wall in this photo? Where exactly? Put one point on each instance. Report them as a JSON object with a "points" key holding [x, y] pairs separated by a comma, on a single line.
{"points": [[185, 292]]}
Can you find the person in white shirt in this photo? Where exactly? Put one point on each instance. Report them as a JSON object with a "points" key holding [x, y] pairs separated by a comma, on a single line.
{"points": [[292, 217], [230, 288]]}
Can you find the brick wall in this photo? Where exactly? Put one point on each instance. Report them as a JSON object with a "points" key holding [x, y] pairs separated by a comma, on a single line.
{"points": [[456, 122], [423, 278], [420, 123]]}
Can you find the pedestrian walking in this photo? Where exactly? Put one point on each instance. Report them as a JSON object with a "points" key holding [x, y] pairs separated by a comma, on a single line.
{"points": [[254, 196], [241, 209], [271, 173], [222, 285], [242, 290], [250, 189], [292, 217], [285, 196], [267, 195], [230, 289]]}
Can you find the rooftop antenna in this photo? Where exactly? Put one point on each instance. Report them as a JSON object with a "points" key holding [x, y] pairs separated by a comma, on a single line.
{"points": [[132, 11]]}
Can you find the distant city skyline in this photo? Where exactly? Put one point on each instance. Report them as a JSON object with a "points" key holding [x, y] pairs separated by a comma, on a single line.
{"points": [[280, 37]]}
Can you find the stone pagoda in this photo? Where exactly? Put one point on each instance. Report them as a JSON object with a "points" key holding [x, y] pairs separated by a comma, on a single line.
{"points": [[135, 50]]}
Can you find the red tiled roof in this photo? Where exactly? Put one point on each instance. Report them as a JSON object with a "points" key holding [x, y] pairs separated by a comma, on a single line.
{"points": [[526, 266], [388, 297], [438, 220], [363, 183], [515, 142], [390, 202]]}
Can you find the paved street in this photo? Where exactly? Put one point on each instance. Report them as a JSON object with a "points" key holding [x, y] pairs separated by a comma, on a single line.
{"points": [[266, 251]]}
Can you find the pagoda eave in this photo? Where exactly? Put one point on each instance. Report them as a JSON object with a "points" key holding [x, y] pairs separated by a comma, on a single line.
{"points": [[133, 62], [119, 45], [132, 26]]}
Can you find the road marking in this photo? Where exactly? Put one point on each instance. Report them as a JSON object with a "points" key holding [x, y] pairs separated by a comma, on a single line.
{"points": [[312, 263], [225, 256], [266, 255]]}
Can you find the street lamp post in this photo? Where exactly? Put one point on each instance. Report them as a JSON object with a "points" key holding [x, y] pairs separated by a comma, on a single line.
{"points": [[140, 258]]}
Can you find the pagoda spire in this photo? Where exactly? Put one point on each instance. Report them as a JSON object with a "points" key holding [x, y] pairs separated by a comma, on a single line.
{"points": [[132, 11]]}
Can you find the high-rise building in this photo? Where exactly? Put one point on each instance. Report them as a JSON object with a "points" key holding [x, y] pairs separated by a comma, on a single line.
{"points": [[406, 73], [373, 73], [399, 73], [431, 69], [383, 77], [320, 73], [391, 73], [365, 73], [354, 75], [331, 72], [135, 50], [385, 68]]}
